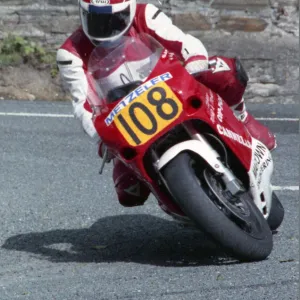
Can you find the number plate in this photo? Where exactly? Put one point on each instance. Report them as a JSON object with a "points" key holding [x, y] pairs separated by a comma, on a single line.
{"points": [[148, 114]]}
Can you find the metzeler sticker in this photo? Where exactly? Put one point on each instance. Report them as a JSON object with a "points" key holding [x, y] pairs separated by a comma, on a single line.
{"points": [[234, 136], [134, 94]]}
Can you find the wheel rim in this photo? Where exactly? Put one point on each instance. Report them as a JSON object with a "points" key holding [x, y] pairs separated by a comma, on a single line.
{"points": [[237, 210]]}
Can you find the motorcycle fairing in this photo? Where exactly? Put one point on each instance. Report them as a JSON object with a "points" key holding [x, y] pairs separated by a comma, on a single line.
{"points": [[260, 174], [212, 111], [185, 88]]}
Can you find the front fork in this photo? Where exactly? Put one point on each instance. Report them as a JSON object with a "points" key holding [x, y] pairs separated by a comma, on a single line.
{"points": [[206, 152], [231, 182]]}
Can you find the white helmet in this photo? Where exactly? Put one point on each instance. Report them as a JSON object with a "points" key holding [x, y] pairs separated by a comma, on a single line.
{"points": [[106, 20]]}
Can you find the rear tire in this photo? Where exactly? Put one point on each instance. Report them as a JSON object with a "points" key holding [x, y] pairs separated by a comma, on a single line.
{"points": [[276, 213], [199, 202]]}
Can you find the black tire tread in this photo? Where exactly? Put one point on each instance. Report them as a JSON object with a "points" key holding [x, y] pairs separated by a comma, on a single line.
{"points": [[196, 204], [276, 213]]}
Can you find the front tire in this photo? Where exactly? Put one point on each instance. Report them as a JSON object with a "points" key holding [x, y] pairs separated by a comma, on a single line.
{"points": [[248, 241]]}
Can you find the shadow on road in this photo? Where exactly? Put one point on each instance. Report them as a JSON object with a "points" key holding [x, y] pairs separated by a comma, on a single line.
{"points": [[141, 239]]}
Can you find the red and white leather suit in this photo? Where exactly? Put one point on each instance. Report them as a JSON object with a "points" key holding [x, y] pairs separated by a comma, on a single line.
{"points": [[226, 79]]}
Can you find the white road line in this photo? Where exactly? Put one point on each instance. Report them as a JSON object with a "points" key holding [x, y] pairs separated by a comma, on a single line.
{"points": [[286, 188], [275, 188], [25, 114], [278, 119]]}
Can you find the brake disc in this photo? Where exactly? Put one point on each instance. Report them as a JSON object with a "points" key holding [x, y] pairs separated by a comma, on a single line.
{"points": [[238, 208]]}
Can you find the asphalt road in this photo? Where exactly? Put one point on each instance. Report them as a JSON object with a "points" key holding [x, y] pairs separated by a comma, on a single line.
{"points": [[64, 236]]}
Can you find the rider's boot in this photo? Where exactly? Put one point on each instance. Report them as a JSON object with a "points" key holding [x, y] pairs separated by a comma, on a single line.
{"points": [[130, 190], [254, 127]]}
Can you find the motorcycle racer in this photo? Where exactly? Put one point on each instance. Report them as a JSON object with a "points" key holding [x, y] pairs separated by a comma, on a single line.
{"points": [[104, 22]]}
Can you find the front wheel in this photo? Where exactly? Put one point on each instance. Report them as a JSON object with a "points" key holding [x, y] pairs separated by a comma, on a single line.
{"points": [[233, 221]]}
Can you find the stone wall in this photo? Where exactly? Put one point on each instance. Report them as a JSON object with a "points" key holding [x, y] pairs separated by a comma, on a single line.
{"points": [[53, 20], [263, 33]]}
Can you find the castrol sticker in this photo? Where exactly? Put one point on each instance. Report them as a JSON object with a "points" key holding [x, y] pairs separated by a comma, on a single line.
{"points": [[234, 136]]}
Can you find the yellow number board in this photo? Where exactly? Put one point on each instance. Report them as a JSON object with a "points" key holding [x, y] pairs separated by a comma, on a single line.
{"points": [[148, 114]]}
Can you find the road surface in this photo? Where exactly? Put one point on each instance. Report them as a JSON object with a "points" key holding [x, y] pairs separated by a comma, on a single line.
{"points": [[64, 235]]}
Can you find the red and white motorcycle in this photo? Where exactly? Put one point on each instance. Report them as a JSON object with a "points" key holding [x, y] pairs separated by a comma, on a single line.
{"points": [[185, 143]]}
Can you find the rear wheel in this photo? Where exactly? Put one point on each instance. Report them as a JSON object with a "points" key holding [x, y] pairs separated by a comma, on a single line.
{"points": [[233, 221], [276, 213]]}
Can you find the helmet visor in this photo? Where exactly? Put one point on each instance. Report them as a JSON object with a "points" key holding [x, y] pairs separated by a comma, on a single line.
{"points": [[102, 23]]}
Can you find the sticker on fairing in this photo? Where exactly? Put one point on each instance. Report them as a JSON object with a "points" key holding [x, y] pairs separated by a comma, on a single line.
{"points": [[135, 94], [261, 163], [233, 136], [148, 114]]}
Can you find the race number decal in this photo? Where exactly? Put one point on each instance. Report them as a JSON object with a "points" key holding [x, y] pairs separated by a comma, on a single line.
{"points": [[148, 114]]}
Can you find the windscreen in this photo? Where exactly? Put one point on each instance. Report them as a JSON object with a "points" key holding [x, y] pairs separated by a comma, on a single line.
{"points": [[117, 70]]}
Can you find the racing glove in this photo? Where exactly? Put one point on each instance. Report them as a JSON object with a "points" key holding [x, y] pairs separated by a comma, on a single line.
{"points": [[87, 124], [196, 64]]}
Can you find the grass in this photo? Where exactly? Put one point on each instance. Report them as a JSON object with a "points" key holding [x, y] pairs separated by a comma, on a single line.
{"points": [[16, 50]]}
